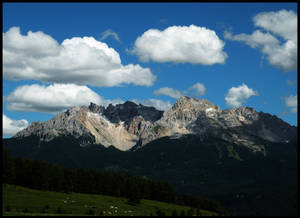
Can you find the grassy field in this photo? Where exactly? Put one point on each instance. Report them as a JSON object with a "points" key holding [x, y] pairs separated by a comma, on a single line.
{"points": [[20, 201]]}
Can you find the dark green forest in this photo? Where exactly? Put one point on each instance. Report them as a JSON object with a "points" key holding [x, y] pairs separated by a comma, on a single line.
{"points": [[244, 182], [38, 174]]}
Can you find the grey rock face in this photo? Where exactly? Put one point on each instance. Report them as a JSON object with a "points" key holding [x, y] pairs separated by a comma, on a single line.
{"points": [[186, 111], [127, 111], [130, 125], [65, 123], [96, 108]]}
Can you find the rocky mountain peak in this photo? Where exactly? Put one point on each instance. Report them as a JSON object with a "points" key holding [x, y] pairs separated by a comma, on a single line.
{"points": [[96, 108], [189, 103], [127, 125], [129, 104], [127, 111], [188, 109], [72, 111]]}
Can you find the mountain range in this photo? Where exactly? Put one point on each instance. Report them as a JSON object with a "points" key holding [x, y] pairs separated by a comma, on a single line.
{"points": [[127, 126], [245, 159]]}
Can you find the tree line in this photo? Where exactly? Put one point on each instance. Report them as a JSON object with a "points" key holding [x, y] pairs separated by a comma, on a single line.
{"points": [[40, 175]]}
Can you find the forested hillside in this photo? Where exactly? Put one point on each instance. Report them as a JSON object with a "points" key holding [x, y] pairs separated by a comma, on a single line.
{"points": [[37, 174]]}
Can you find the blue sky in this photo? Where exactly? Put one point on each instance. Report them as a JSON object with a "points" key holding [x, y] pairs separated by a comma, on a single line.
{"points": [[233, 54]]}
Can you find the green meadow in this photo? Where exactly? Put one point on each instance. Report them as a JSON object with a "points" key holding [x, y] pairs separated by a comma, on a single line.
{"points": [[20, 201]]}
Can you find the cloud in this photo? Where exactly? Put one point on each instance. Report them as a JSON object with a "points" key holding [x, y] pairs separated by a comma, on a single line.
{"points": [[35, 44], [283, 23], [199, 89], [173, 93], [281, 53], [291, 102], [79, 60], [53, 98], [11, 127], [158, 104], [256, 39], [237, 96], [282, 56], [180, 44], [108, 33]]}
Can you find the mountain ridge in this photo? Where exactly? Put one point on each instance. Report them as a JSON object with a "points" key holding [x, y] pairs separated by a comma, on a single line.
{"points": [[129, 125]]}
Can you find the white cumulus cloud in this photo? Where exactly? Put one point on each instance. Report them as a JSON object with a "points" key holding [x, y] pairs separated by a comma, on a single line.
{"points": [[173, 93], [80, 60], [281, 53], [199, 88], [291, 102], [283, 23], [11, 127], [282, 56], [53, 98], [237, 96], [180, 44]]}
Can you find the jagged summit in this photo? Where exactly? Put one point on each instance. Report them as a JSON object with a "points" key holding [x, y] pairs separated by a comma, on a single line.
{"points": [[96, 108], [130, 125], [191, 100]]}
